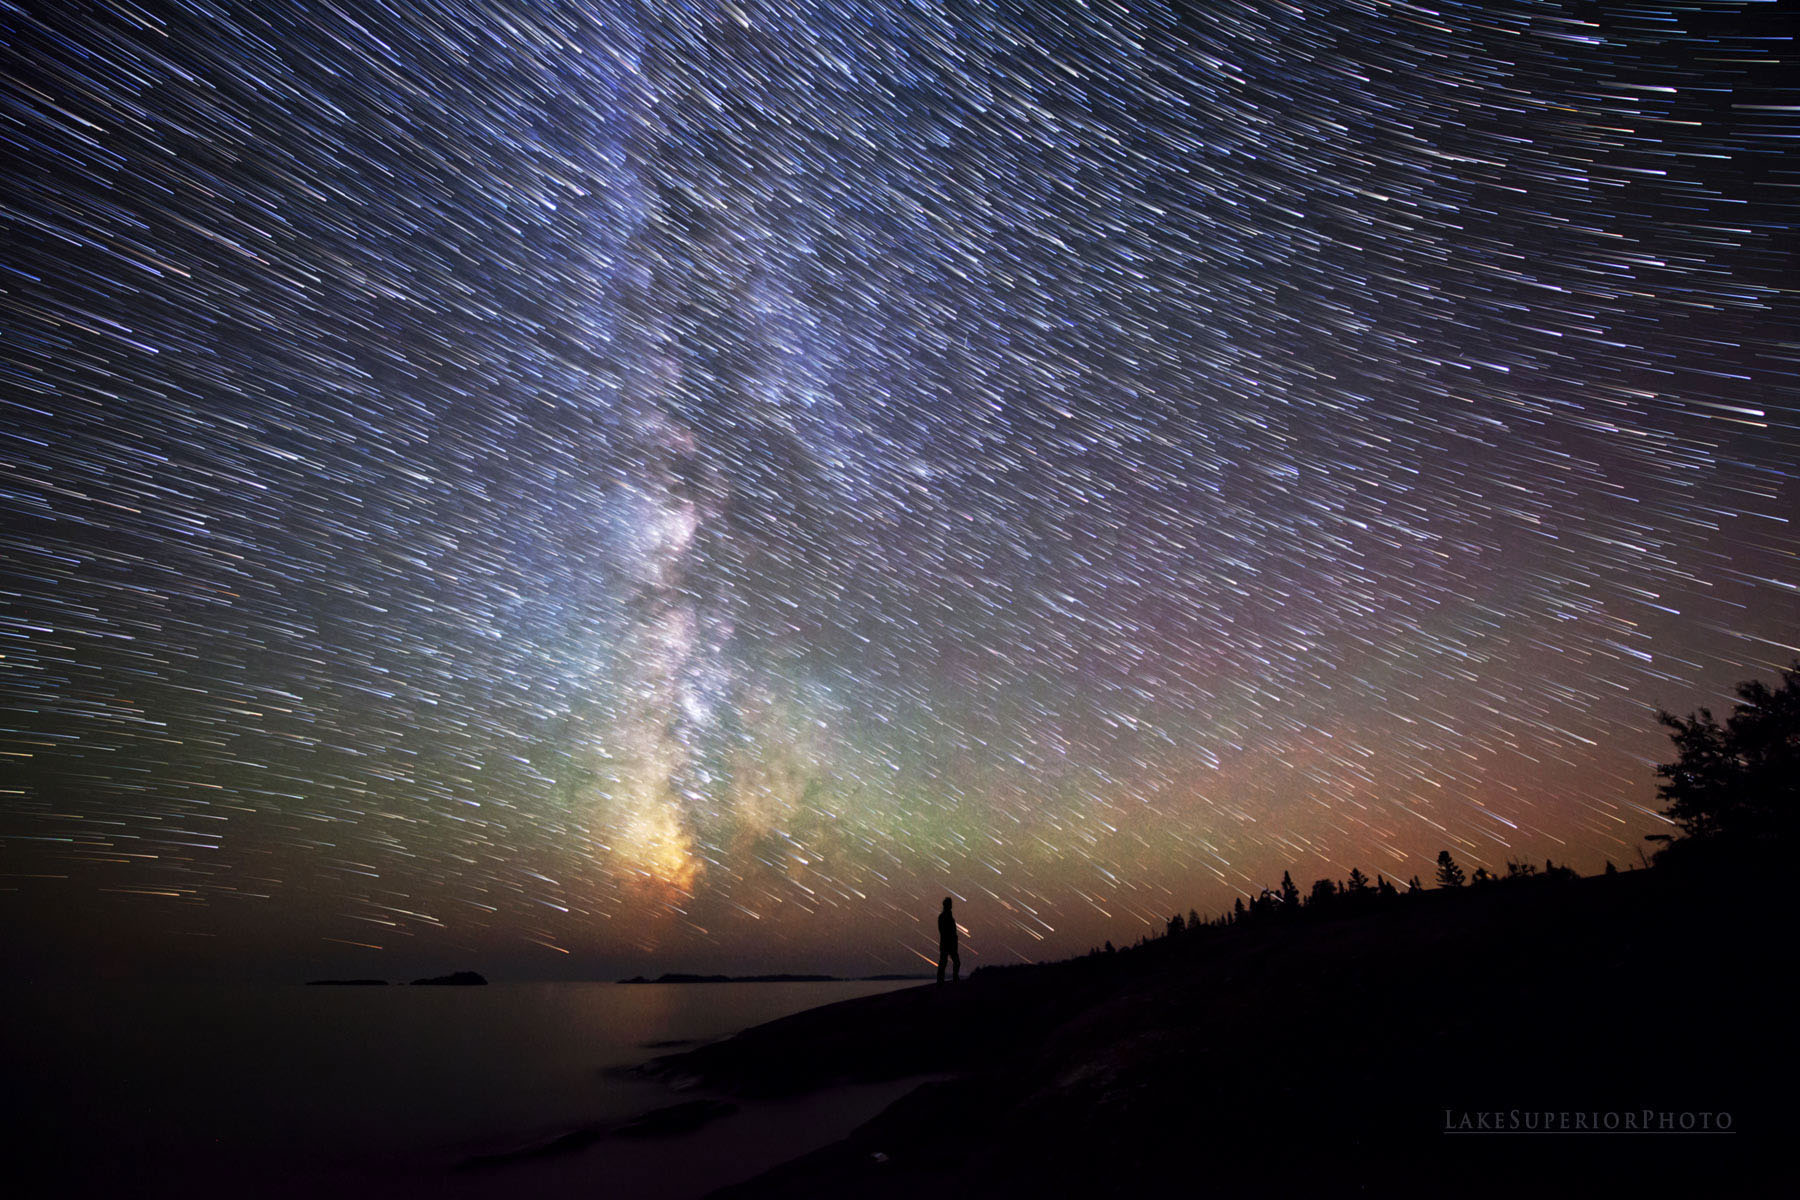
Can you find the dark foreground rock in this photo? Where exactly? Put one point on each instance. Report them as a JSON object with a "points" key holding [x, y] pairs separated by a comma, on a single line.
{"points": [[1357, 1055], [672, 1121]]}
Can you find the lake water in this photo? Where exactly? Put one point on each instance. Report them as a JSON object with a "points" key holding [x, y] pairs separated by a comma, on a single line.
{"points": [[318, 1087]]}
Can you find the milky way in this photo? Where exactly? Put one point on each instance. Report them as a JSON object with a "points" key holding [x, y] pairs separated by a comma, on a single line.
{"points": [[710, 479]]}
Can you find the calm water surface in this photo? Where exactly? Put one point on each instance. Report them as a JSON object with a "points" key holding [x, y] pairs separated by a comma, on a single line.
{"points": [[118, 1083]]}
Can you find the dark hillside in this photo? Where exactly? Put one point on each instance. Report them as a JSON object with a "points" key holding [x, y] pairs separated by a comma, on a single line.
{"points": [[1325, 1054]]}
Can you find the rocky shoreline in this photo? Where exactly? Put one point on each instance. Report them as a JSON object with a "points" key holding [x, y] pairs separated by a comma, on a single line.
{"points": [[1323, 1056]]}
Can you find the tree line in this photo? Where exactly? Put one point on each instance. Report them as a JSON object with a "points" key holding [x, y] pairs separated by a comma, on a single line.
{"points": [[1731, 792], [1354, 895]]}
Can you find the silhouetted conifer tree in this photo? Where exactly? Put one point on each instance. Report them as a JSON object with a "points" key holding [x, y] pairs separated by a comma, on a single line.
{"points": [[1449, 875], [1290, 895], [1736, 784], [1359, 883]]}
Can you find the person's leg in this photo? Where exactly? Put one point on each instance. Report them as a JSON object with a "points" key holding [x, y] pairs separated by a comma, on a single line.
{"points": [[942, 955], [956, 964]]}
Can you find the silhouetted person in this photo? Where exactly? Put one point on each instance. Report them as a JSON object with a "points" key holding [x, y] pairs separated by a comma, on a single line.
{"points": [[947, 944]]}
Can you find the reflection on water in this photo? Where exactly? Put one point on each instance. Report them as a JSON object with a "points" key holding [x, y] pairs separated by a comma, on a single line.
{"points": [[124, 1083]]}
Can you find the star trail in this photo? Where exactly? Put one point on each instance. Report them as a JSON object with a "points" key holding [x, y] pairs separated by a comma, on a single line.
{"points": [[709, 479]]}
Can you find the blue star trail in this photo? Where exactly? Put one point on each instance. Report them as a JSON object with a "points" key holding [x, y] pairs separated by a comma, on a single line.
{"points": [[711, 478]]}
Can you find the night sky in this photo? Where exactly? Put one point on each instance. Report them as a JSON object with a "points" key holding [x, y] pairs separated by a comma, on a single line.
{"points": [[558, 488]]}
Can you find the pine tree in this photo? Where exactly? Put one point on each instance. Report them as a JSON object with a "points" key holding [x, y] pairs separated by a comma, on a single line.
{"points": [[1449, 875], [1738, 782]]}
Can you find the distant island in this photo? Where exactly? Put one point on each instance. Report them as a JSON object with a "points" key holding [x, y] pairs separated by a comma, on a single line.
{"points": [[346, 983], [457, 979], [676, 977]]}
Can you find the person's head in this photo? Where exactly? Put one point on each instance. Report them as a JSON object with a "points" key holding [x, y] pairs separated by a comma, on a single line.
{"points": [[946, 904]]}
